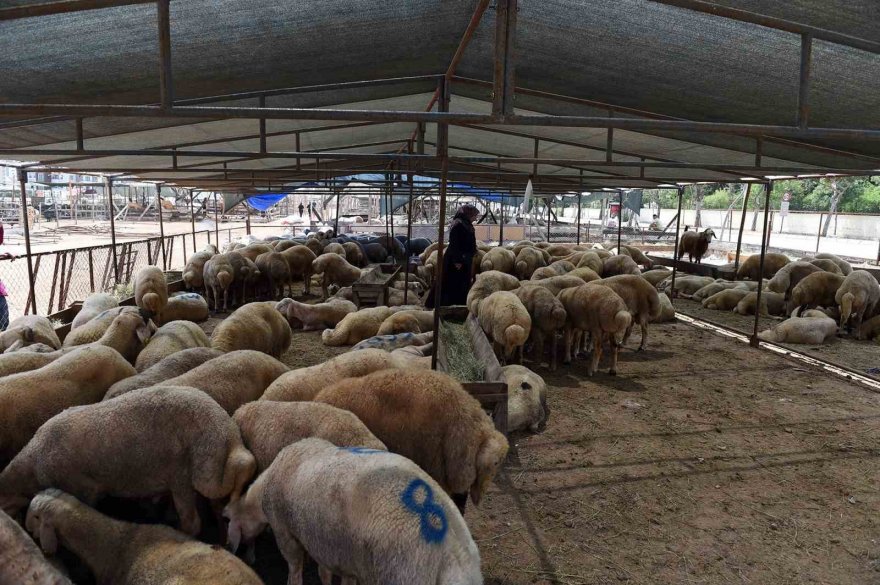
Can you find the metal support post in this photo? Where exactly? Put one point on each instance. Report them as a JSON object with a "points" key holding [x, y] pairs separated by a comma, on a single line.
{"points": [[619, 222], [161, 225], [742, 226], [192, 217], [25, 217], [108, 186], [675, 256], [408, 247], [443, 153], [216, 222], [754, 340]]}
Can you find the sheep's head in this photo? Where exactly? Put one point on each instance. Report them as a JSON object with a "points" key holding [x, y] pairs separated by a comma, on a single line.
{"points": [[709, 235], [490, 456], [246, 521], [41, 515]]}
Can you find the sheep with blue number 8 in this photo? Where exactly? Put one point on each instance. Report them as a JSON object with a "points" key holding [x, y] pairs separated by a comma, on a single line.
{"points": [[366, 515]]}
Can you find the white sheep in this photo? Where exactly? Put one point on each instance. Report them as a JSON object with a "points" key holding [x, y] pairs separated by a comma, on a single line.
{"points": [[268, 426], [94, 304], [193, 273], [667, 311], [397, 341], [151, 290], [804, 330], [507, 323], [146, 443], [392, 524], [25, 361], [408, 321], [256, 326], [526, 399], [356, 327], [334, 269], [219, 276], [185, 307], [21, 562], [500, 259], [29, 330], [123, 553], [487, 283], [317, 316], [171, 338], [128, 333]]}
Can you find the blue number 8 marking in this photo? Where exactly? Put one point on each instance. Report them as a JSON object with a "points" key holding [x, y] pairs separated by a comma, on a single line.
{"points": [[432, 518]]}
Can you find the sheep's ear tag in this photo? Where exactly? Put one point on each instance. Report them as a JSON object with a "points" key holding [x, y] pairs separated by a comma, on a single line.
{"points": [[143, 333]]}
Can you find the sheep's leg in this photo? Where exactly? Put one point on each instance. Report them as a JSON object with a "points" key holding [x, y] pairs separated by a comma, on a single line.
{"points": [[554, 362], [519, 354], [627, 333], [615, 349], [597, 355], [226, 298], [566, 347], [644, 325], [326, 575], [185, 503], [294, 554]]}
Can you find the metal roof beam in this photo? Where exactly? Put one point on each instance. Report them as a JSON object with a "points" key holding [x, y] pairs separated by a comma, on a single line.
{"points": [[62, 7]]}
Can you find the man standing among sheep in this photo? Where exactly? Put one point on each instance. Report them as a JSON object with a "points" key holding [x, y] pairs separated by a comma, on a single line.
{"points": [[458, 257]]}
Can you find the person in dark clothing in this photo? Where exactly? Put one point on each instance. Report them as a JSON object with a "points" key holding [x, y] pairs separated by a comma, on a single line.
{"points": [[458, 257], [301, 209]]}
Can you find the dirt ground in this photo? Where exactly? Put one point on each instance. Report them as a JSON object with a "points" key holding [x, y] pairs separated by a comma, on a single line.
{"points": [[703, 461]]}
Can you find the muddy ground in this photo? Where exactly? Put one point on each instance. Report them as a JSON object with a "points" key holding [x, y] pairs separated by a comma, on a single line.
{"points": [[702, 461]]}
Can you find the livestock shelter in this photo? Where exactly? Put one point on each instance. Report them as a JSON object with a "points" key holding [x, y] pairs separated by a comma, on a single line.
{"points": [[578, 99]]}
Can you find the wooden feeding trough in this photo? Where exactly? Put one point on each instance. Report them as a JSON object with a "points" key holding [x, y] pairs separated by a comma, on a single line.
{"points": [[371, 289], [469, 358]]}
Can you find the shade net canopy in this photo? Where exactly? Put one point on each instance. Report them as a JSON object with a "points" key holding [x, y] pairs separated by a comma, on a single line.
{"points": [[634, 59]]}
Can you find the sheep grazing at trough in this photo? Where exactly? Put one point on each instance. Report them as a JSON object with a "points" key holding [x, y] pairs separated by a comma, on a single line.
{"points": [[305, 383], [275, 274], [487, 283], [170, 367], [500, 259], [751, 268], [557, 283], [844, 266], [245, 275], [412, 533], [253, 250], [428, 417], [267, 427], [299, 260], [667, 311], [185, 306], [857, 296], [334, 269], [257, 326], [123, 553], [592, 261], [356, 327], [29, 399], [562, 266], [694, 244], [636, 255], [725, 300], [599, 311], [318, 316], [94, 328], [656, 275], [547, 316], [585, 274], [145, 443], [815, 290], [507, 324], [171, 338], [812, 330], [25, 361], [354, 253], [620, 264], [771, 304], [787, 277], [334, 248], [526, 399], [397, 341], [95, 304], [528, 260], [826, 265], [240, 377], [411, 321], [193, 272], [151, 290], [29, 330], [219, 275], [21, 562], [641, 299]]}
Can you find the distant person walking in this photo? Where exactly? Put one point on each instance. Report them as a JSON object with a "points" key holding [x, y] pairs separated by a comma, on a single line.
{"points": [[301, 209]]}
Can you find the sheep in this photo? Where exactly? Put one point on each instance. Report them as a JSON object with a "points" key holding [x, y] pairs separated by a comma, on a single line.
{"points": [[335, 270], [267, 427], [656, 275], [557, 283], [29, 399], [397, 341], [637, 255], [170, 367], [253, 250], [685, 285], [771, 304], [21, 561], [527, 261], [240, 377], [790, 275], [193, 272], [299, 260], [245, 272], [354, 254], [506, 322], [428, 417], [256, 326], [275, 272], [28, 330], [142, 444], [407, 322], [599, 311], [317, 316], [843, 265], [151, 290], [526, 399], [487, 283], [356, 327], [585, 274], [712, 288], [602, 253], [562, 266], [592, 261], [128, 334], [641, 300], [25, 361], [694, 244], [667, 311], [123, 553], [94, 304], [393, 524], [857, 296], [817, 289], [725, 300], [620, 264], [826, 265], [801, 330], [211, 248], [334, 248], [544, 272], [870, 329], [500, 259], [171, 338], [751, 268], [219, 275], [547, 316], [185, 306]]}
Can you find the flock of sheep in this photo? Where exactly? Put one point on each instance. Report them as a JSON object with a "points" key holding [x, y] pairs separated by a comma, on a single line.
{"points": [[139, 403]]}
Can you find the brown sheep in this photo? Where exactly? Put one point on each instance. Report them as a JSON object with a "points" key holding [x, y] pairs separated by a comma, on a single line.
{"points": [[599, 311], [527, 261], [174, 365], [334, 269], [246, 273], [256, 326], [751, 268], [218, 275], [620, 264], [275, 272], [817, 289], [857, 296], [299, 259], [354, 254], [694, 244], [641, 299], [787, 277], [548, 318], [193, 272]]}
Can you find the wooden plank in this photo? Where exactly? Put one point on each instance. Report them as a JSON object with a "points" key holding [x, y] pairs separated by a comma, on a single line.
{"points": [[689, 267]]}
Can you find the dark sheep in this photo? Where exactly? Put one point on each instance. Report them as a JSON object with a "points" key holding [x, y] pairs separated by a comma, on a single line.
{"points": [[694, 244]]}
